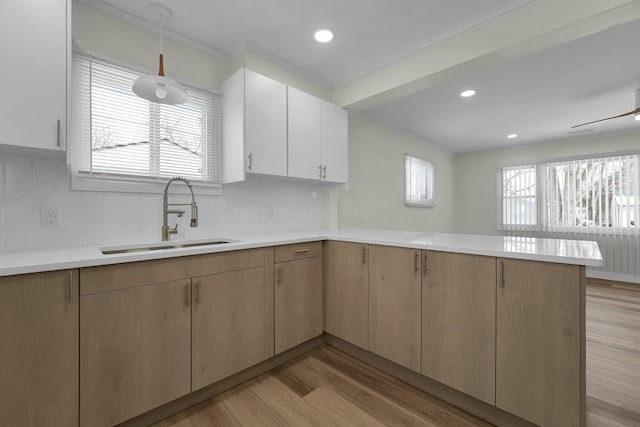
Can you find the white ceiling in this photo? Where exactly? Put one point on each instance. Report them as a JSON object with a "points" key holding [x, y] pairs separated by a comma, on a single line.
{"points": [[538, 96]]}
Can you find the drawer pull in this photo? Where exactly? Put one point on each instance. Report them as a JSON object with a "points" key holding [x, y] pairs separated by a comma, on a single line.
{"points": [[364, 254], [186, 295], [415, 262], [197, 296], [301, 251], [278, 275]]}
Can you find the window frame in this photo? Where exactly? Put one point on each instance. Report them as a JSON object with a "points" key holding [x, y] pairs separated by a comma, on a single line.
{"points": [[128, 183], [431, 172]]}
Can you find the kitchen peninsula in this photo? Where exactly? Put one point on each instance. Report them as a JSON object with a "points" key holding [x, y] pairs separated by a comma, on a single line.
{"points": [[493, 324]]}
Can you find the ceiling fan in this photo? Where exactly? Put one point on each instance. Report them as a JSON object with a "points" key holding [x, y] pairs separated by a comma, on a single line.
{"points": [[636, 112]]}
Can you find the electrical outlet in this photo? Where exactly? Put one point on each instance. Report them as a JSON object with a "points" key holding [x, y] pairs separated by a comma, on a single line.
{"points": [[50, 217]]}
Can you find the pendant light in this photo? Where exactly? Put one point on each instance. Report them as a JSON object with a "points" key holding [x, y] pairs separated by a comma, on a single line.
{"points": [[158, 88]]}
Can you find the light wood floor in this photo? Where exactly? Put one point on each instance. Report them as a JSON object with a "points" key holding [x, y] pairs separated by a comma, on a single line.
{"points": [[613, 357], [326, 387]]}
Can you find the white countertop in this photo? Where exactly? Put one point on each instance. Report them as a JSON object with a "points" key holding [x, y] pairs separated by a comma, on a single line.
{"points": [[578, 252]]}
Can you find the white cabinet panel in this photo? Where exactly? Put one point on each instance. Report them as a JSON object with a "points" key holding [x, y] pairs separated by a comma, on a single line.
{"points": [[335, 143], [305, 137], [33, 49]]}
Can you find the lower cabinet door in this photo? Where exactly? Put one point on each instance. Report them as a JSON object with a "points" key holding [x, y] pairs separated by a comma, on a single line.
{"points": [[298, 302], [395, 278], [538, 348], [39, 349], [232, 324], [459, 322], [135, 351]]}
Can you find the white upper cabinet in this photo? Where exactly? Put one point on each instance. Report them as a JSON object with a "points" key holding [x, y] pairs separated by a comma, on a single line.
{"points": [[34, 49], [274, 130], [254, 128], [318, 138]]}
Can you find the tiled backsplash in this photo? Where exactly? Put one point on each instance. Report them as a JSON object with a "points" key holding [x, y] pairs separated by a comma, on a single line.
{"points": [[89, 218]]}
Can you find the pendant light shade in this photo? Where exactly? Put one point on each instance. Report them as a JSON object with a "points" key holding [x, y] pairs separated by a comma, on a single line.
{"points": [[158, 88]]}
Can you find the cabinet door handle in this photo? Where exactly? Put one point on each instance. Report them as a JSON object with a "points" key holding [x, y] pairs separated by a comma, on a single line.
{"points": [[425, 264], [70, 287], [186, 295], [320, 171], [250, 167], [58, 126], [301, 251], [324, 172], [197, 293], [502, 274], [364, 254], [278, 275], [415, 262]]}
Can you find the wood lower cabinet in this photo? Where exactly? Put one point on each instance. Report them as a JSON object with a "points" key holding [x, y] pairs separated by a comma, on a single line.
{"points": [[458, 322], [232, 324], [394, 304], [298, 294], [346, 291], [539, 335], [135, 351], [39, 350]]}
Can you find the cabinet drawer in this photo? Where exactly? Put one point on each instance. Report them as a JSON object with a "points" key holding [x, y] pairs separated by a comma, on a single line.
{"points": [[297, 251], [122, 276]]}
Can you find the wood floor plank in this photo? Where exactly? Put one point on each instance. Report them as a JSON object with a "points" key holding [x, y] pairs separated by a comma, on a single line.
{"points": [[428, 407], [383, 410], [288, 405], [340, 410], [245, 407]]}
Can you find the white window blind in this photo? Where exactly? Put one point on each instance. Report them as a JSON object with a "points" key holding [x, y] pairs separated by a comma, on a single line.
{"points": [[519, 197], [600, 195], [594, 194], [116, 133]]}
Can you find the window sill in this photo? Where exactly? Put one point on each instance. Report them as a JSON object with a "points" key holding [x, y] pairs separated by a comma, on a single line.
{"points": [[85, 182]]}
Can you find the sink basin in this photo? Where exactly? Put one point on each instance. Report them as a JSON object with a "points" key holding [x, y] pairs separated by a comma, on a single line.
{"points": [[159, 246]]}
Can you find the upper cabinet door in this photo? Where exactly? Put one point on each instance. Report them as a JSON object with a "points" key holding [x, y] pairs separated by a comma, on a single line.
{"points": [[335, 143], [34, 57], [254, 126], [265, 125], [305, 135]]}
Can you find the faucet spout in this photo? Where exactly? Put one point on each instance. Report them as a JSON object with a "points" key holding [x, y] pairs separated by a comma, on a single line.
{"points": [[166, 230]]}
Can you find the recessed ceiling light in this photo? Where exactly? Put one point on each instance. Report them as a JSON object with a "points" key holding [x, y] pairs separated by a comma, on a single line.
{"points": [[324, 36], [468, 93], [513, 135]]}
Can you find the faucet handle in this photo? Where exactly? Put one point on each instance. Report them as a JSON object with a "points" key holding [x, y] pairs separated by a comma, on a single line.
{"points": [[173, 230]]}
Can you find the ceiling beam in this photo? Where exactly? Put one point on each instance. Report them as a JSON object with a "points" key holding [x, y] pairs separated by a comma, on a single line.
{"points": [[534, 27]]}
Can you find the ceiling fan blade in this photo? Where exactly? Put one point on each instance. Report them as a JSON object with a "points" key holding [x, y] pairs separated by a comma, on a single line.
{"points": [[636, 111]]}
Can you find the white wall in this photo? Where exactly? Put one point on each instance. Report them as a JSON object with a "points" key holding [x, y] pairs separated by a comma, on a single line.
{"points": [[375, 198]]}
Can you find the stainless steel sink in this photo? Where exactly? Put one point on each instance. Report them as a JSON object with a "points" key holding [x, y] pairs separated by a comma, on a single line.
{"points": [[165, 245]]}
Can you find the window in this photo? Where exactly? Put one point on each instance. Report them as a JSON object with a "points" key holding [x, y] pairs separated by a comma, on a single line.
{"points": [[519, 196], [589, 194], [116, 134], [419, 176]]}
